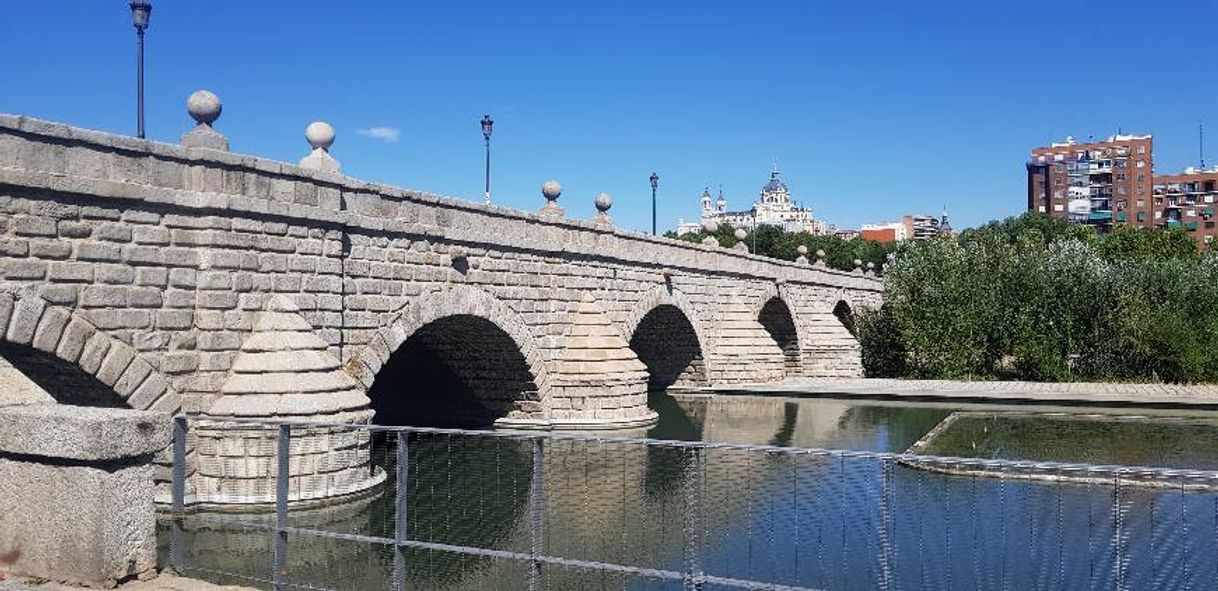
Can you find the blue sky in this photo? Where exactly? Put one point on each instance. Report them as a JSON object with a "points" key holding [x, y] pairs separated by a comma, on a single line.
{"points": [[872, 109]]}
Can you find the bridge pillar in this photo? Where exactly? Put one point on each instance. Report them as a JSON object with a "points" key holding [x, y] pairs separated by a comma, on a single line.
{"points": [[599, 382], [283, 371], [830, 349], [744, 352]]}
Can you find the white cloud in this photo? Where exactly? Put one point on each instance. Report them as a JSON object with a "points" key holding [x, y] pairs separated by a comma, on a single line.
{"points": [[387, 134]]}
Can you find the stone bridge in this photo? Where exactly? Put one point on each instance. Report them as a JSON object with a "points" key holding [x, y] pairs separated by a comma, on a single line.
{"points": [[177, 278]]}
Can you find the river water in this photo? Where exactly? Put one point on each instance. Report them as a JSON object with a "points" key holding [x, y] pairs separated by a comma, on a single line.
{"points": [[816, 521]]}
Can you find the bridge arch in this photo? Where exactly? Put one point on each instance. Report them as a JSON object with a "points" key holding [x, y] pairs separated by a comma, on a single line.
{"points": [[666, 334], [68, 358], [777, 318], [844, 312], [454, 357]]}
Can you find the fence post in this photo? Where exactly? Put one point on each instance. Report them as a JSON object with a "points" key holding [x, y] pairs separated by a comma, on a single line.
{"points": [[537, 499], [1118, 531], [693, 521], [178, 492], [886, 525], [400, 508], [281, 507]]}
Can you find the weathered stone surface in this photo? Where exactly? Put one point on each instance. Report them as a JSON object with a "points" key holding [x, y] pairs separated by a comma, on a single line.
{"points": [[184, 258], [77, 523], [81, 433]]}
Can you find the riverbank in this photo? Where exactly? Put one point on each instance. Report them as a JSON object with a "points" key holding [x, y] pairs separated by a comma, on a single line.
{"points": [[1070, 393]]}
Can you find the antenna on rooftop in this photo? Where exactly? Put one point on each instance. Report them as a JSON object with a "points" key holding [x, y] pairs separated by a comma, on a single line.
{"points": [[1201, 143]]}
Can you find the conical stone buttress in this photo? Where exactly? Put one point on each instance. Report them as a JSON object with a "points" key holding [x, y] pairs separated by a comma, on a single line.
{"points": [[284, 372], [599, 381]]}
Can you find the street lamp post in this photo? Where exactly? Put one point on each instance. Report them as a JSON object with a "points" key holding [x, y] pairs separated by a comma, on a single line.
{"points": [[655, 182], [487, 122], [141, 10]]}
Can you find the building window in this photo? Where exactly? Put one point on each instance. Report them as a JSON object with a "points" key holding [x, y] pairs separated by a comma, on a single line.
{"points": [[1141, 176], [1141, 149], [1141, 216], [1059, 181], [1120, 176], [1041, 208], [1208, 239], [1141, 164], [1057, 207], [1158, 215]]}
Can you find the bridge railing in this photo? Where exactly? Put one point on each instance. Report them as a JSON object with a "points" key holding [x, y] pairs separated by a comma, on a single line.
{"points": [[519, 510]]}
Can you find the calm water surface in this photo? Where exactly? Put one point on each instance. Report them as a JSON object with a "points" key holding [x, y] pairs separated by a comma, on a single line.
{"points": [[796, 519]]}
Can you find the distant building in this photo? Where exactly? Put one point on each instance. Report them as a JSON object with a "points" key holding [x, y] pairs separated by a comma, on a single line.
{"points": [[911, 227], [1095, 183], [884, 232], [1113, 182], [774, 207], [1186, 201]]}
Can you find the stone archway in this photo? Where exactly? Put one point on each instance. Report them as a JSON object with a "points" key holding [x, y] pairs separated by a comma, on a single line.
{"points": [[775, 316], [456, 357], [75, 362], [667, 337]]}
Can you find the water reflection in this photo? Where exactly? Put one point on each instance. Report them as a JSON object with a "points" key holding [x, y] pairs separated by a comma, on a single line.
{"points": [[801, 519]]}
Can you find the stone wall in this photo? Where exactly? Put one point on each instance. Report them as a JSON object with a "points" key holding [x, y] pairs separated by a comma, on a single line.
{"points": [[145, 264]]}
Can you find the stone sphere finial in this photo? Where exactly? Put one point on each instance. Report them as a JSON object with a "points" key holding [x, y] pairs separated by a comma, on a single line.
{"points": [[802, 250], [551, 190], [870, 265], [710, 226], [204, 106], [741, 234], [820, 254], [603, 202], [858, 262], [320, 135]]}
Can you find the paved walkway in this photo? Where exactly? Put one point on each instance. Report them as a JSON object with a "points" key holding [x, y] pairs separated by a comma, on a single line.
{"points": [[160, 583], [1068, 393]]}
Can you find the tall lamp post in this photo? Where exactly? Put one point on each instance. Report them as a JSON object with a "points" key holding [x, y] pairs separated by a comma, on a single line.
{"points": [[655, 182], [141, 10], [487, 122]]}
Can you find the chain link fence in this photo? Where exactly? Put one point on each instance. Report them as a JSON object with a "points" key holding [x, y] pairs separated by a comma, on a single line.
{"points": [[514, 510]]}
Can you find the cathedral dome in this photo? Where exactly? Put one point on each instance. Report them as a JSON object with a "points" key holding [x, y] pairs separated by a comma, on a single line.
{"points": [[775, 185]]}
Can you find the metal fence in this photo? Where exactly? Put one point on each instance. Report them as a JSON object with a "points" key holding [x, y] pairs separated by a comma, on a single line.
{"points": [[514, 510]]}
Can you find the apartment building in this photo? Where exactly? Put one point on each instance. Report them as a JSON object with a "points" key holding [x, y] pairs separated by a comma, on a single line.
{"points": [[1113, 182], [1187, 200], [1097, 183]]}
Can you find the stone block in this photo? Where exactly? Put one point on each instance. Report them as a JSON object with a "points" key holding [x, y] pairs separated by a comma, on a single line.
{"points": [[76, 492], [81, 433]]}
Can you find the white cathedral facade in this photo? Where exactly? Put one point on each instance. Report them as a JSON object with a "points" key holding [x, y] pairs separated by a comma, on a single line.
{"points": [[773, 208]]}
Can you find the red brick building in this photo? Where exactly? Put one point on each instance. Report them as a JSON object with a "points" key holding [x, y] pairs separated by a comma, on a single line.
{"points": [[1187, 200], [1113, 182], [1097, 183]]}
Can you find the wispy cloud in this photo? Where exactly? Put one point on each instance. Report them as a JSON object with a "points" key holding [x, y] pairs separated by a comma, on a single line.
{"points": [[386, 134]]}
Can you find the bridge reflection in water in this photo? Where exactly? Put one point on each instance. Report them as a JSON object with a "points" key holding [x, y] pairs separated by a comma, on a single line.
{"points": [[833, 520]]}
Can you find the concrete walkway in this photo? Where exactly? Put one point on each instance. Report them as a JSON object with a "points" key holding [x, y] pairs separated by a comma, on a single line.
{"points": [[1100, 394], [161, 583]]}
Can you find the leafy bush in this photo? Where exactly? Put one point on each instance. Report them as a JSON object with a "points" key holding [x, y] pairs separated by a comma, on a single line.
{"points": [[1036, 298]]}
